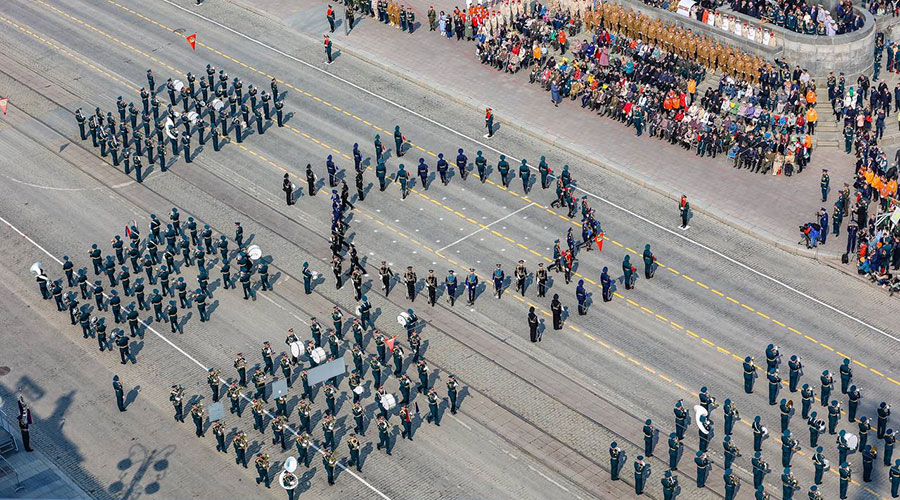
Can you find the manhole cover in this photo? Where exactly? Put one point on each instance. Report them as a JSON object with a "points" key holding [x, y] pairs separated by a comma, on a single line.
{"points": [[180, 31]]}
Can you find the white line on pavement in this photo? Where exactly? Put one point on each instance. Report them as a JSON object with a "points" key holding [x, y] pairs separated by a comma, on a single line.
{"points": [[482, 228], [604, 200], [201, 365]]}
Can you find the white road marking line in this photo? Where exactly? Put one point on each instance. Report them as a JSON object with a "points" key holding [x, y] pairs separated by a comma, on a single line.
{"points": [[485, 227], [484, 145]]}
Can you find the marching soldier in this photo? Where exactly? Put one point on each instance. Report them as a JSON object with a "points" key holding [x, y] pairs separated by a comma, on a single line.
{"points": [[889, 440], [386, 274], [853, 397], [703, 466], [278, 431], [675, 449], [197, 416], [384, 429], [406, 421], [451, 283], [452, 386], [731, 416], [353, 447], [787, 411], [305, 414], [410, 278], [789, 446], [234, 395], [807, 396], [433, 401], [846, 374], [760, 470], [774, 385], [541, 276], [256, 406], [431, 285], [883, 412], [749, 374], [471, 286], [240, 364], [682, 419], [649, 434], [358, 415], [894, 475], [827, 382], [834, 416], [240, 444], [731, 451], [212, 378], [259, 381], [521, 275], [795, 368], [845, 475], [869, 455], [641, 473], [303, 444], [218, 429], [262, 468], [328, 458], [615, 457], [818, 460], [176, 396], [732, 483]]}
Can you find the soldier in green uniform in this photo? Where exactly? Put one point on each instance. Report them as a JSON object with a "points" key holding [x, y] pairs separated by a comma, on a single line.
{"points": [[675, 449], [703, 465], [329, 461], [641, 473], [240, 448], [197, 417], [384, 435], [262, 468], [303, 444], [353, 446], [234, 396], [615, 457], [732, 483], [760, 469], [218, 429], [670, 486]]}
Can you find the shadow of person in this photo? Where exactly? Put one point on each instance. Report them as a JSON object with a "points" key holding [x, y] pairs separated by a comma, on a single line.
{"points": [[132, 395]]}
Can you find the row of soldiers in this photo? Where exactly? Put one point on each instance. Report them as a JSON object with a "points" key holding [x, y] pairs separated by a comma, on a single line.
{"points": [[789, 444], [199, 101]]}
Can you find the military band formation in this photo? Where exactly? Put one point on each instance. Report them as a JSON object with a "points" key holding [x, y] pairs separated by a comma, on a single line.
{"points": [[223, 102], [847, 442]]}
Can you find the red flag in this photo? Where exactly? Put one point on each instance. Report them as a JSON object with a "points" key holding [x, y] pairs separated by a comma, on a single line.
{"points": [[390, 343], [600, 242], [4, 102], [192, 39]]}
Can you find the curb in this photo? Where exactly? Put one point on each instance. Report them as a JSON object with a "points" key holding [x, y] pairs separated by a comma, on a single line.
{"points": [[570, 148]]}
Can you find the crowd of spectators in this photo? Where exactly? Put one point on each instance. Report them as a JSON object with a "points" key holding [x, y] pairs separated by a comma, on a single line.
{"points": [[645, 74]]}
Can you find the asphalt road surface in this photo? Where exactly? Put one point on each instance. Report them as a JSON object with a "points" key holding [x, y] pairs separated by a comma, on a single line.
{"points": [[535, 420]]}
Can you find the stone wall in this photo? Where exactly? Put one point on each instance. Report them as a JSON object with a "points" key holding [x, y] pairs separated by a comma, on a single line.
{"points": [[851, 53]]}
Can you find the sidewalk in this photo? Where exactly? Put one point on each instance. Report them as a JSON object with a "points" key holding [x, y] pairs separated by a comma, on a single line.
{"points": [[770, 208], [34, 476]]}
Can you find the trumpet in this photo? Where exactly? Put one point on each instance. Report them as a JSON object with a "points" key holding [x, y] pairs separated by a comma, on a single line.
{"points": [[712, 402]]}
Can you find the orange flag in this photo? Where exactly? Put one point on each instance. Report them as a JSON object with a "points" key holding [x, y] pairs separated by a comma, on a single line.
{"points": [[192, 39], [4, 102], [600, 242]]}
